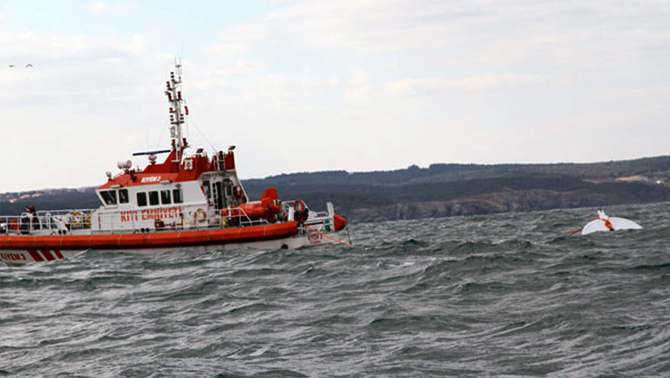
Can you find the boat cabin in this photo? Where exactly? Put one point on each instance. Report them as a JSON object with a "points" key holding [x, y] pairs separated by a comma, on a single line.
{"points": [[190, 193]]}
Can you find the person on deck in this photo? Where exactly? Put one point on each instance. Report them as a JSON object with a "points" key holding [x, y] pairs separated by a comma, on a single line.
{"points": [[32, 213]]}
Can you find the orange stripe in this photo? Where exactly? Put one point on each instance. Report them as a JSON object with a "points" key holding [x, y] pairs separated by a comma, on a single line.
{"points": [[151, 240], [608, 224], [575, 231]]}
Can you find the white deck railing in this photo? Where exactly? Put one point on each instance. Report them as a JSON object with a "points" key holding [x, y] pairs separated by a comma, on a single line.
{"points": [[84, 221]]}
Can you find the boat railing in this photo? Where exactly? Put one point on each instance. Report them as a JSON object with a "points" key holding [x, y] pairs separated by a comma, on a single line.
{"points": [[49, 222], [58, 222], [236, 217], [313, 215], [200, 219]]}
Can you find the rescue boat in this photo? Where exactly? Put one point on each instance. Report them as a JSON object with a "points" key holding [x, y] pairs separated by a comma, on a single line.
{"points": [[186, 202]]}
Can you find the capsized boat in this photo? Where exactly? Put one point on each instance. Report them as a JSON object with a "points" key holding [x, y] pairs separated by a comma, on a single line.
{"points": [[606, 223], [188, 202]]}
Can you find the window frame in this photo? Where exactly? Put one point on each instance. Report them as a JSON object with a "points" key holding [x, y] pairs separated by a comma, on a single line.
{"points": [[124, 196], [142, 199], [166, 197], [177, 195], [109, 197], [154, 198]]}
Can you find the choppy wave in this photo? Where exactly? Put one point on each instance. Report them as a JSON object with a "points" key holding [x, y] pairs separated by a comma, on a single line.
{"points": [[497, 296]]}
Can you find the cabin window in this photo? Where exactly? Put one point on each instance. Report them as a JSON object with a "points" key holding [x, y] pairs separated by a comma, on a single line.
{"points": [[141, 199], [109, 197], [123, 196], [165, 197], [205, 186], [176, 195], [153, 198]]}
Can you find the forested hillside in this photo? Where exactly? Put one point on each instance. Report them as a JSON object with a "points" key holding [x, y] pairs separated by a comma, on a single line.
{"points": [[436, 191], [462, 189]]}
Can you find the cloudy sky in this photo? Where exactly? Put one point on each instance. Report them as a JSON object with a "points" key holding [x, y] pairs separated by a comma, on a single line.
{"points": [[304, 86]]}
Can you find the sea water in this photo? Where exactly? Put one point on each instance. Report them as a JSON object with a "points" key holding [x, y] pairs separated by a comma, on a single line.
{"points": [[486, 296]]}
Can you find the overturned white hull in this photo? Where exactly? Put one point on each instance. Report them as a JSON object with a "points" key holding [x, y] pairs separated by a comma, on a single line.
{"points": [[607, 223]]}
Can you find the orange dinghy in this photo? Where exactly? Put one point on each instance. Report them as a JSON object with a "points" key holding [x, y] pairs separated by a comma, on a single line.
{"points": [[194, 202]]}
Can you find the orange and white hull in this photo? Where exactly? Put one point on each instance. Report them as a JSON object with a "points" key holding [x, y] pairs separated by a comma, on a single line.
{"points": [[16, 250], [24, 249]]}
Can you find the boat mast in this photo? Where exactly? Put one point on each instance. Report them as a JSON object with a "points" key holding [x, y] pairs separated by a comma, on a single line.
{"points": [[177, 112]]}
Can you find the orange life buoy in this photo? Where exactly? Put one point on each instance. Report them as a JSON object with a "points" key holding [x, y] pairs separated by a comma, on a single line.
{"points": [[301, 211], [200, 215], [299, 205], [76, 218]]}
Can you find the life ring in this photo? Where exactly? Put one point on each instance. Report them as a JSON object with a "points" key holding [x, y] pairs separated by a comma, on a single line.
{"points": [[200, 215], [299, 205], [301, 211], [76, 218]]}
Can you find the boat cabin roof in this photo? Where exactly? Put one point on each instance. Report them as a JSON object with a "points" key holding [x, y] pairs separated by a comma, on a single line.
{"points": [[170, 171]]}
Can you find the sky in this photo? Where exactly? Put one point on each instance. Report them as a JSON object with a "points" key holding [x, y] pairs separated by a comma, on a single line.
{"points": [[305, 86]]}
